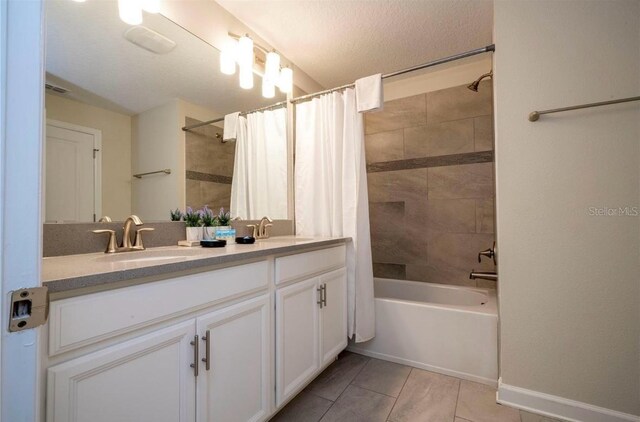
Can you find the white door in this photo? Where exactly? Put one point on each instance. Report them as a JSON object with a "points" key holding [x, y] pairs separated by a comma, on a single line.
{"points": [[297, 336], [333, 316], [72, 173], [236, 384], [145, 379]]}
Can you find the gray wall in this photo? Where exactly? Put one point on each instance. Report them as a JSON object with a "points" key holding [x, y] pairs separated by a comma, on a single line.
{"points": [[431, 189]]}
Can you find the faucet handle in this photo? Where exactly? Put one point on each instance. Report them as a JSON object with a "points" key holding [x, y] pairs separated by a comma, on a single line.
{"points": [[105, 219], [489, 253], [111, 246], [254, 230], [138, 242], [266, 230]]}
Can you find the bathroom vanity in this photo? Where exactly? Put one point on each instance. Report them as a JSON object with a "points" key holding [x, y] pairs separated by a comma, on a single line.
{"points": [[191, 334]]}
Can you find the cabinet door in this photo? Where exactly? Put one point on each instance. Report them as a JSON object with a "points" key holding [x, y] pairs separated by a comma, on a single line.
{"points": [[145, 379], [333, 316], [297, 335], [237, 385]]}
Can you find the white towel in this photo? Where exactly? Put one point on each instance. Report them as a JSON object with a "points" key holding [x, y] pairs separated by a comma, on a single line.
{"points": [[369, 93], [230, 132]]}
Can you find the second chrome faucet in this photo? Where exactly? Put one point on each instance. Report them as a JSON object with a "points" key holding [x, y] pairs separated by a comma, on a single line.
{"points": [[125, 245]]}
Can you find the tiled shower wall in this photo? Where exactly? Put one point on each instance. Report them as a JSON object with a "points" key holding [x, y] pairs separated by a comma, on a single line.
{"points": [[209, 167], [431, 187]]}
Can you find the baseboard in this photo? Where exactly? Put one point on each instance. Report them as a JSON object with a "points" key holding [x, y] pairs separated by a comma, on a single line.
{"points": [[558, 407], [420, 365]]}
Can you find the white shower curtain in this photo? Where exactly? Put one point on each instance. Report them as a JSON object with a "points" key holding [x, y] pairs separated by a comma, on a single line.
{"points": [[331, 193], [259, 184]]}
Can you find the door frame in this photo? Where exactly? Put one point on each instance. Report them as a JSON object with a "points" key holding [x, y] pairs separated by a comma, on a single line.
{"points": [[21, 148], [97, 161]]}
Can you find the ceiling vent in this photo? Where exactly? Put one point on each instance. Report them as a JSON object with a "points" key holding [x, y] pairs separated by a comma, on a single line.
{"points": [[149, 40], [56, 88]]}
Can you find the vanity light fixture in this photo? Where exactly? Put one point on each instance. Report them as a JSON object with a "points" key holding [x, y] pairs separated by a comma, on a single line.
{"points": [[228, 57], [268, 88], [245, 51], [285, 82], [272, 68], [130, 11], [246, 77], [79, 1]]}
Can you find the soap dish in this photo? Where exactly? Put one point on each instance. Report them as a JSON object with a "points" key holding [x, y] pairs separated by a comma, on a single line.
{"points": [[246, 240], [213, 243], [189, 243]]}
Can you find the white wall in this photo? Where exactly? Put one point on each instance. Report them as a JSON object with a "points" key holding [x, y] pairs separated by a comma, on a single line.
{"points": [[569, 282], [116, 149]]}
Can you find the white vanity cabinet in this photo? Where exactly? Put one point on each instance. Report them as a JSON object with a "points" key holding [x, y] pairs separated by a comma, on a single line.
{"points": [[311, 318], [144, 379], [235, 382], [232, 344]]}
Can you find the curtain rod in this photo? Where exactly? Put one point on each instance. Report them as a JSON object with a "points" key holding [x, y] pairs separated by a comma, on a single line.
{"points": [[244, 113], [487, 49], [491, 47]]}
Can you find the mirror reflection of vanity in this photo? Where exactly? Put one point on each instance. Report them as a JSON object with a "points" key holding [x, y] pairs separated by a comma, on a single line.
{"points": [[115, 109]]}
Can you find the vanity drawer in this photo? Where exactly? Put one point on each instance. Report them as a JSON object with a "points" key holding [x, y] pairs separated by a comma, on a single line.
{"points": [[83, 320], [309, 263]]}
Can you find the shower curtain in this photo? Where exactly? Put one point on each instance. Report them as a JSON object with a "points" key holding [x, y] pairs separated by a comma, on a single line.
{"points": [[259, 184], [331, 193]]}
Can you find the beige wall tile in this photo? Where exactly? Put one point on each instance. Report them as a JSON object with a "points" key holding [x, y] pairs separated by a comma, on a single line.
{"points": [[384, 146], [439, 139], [397, 114], [486, 284], [485, 213], [483, 133], [452, 215], [463, 181], [417, 272], [459, 103], [215, 195], [452, 256], [400, 185], [393, 271]]}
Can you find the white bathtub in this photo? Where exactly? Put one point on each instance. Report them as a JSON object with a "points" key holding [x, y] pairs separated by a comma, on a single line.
{"points": [[447, 329]]}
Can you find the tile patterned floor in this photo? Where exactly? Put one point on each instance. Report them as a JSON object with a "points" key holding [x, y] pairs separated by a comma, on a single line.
{"points": [[356, 388]]}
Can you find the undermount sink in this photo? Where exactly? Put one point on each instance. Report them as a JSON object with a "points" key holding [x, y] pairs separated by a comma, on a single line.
{"points": [[149, 256]]}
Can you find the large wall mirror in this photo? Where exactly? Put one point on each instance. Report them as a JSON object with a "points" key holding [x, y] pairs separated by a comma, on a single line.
{"points": [[116, 99]]}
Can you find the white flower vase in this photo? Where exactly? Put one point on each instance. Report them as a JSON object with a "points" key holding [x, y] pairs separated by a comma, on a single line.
{"points": [[194, 233], [209, 233]]}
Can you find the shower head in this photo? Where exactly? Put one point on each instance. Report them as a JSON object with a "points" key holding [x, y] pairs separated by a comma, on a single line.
{"points": [[474, 85]]}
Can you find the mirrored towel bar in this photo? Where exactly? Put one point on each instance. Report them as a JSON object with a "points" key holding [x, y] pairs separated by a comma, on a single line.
{"points": [[140, 175], [535, 115]]}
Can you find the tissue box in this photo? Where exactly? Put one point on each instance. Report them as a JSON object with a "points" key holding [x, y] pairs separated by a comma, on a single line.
{"points": [[225, 233]]}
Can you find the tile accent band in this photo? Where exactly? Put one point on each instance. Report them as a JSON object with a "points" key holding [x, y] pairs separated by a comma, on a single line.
{"points": [[438, 161], [206, 177]]}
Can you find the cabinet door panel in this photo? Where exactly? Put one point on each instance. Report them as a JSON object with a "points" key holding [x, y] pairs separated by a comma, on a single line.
{"points": [[297, 336], [145, 379], [333, 317], [237, 386]]}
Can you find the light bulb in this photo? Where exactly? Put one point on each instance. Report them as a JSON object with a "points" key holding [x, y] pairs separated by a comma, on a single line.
{"points": [[246, 76], [272, 68], [130, 11], [151, 6], [268, 88], [285, 82], [245, 51], [228, 57]]}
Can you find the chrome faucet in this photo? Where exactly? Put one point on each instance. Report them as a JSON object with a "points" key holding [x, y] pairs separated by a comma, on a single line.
{"points": [[263, 228], [484, 275], [126, 245]]}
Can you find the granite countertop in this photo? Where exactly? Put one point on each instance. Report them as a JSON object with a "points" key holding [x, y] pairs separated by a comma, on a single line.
{"points": [[70, 272]]}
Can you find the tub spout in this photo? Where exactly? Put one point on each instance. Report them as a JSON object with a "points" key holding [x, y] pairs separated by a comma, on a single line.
{"points": [[485, 275]]}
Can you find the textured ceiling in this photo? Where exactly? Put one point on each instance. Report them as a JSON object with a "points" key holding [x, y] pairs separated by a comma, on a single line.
{"points": [[338, 41], [86, 52]]}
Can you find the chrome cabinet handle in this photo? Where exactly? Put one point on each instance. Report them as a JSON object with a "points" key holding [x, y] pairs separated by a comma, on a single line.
{"points": [[321, 300], [324, 294], [196, 353], [207, 350]]}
